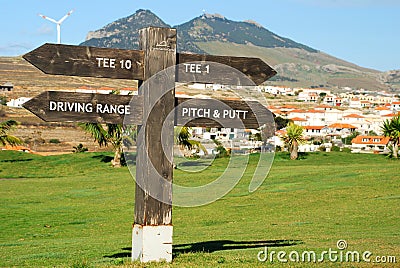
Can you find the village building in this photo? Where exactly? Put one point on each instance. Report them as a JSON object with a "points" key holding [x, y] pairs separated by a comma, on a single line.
{"points": [[369, 144], [6, 87], [17, 103]]}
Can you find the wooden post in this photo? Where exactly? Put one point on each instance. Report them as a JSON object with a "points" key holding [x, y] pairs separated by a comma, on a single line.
{"points": [[152, 230]]}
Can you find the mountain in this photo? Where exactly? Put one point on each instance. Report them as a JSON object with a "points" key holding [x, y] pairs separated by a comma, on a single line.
{"points": [[297, 65], [215, 27], [124, 33]]}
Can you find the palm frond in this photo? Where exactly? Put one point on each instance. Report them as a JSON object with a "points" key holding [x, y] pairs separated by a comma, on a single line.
{"points": [[97, 132], [5, 138]]}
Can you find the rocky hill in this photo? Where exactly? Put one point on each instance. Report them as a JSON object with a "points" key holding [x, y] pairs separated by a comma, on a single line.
{"points": [[124, 33]]}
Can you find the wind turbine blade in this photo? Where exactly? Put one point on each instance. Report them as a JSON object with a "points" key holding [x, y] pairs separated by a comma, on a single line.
{"points": [[47, 18], [65, 17]]}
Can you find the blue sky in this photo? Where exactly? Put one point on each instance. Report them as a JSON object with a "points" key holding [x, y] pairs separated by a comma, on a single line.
{"points": [[364, 32]]}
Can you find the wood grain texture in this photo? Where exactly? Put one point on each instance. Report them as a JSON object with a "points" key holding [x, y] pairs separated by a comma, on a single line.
{"points": [[254, 68], [85, 61], [221, 113], [154, 169], [86, 107]]}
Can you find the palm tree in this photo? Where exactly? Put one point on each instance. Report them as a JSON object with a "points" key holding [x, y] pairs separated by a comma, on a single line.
{"points": [[391, 129], [293, 138], [5, 138], [113, 134], [182, 138]]}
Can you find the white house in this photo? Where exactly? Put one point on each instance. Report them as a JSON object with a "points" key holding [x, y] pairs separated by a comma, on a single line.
{"points": [[17, 103], [369, 144], [395, 106]]}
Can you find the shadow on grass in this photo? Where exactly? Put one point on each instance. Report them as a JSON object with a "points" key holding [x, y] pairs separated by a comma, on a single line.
{"points": [[217, 245], [16, 160], [192, 164], [286, 156], [103, 158]]}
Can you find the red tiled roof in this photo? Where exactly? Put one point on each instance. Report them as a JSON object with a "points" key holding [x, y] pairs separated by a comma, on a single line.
{"points": [[353, 116], [382, 108], [315, 111], [376, 140], [313, 127], [278, 112], [323, 106], [298, 111], [298, 119], [280, 132], [391, 115], [340, 125]]}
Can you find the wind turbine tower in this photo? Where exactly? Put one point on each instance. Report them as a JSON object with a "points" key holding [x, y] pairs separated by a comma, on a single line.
{"points": [[58, 24]]}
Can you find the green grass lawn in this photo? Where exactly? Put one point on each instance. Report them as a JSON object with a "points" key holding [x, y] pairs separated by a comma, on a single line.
{"points": [[76, 211]]}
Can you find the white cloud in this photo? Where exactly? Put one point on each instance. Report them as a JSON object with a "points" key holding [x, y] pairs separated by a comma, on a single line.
{"points": [[45, 30]]}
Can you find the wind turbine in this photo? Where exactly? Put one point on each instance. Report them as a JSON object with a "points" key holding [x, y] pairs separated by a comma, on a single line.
{"points": [[58, 24]]}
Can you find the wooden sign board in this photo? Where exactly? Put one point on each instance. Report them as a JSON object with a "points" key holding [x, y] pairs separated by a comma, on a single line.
{"points": [[88, 61], [197, 68], [58, 106], [129, 64], [220, 113]]}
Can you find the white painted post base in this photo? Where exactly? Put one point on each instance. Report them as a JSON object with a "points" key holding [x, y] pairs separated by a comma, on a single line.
{"points": [[152, 243]]}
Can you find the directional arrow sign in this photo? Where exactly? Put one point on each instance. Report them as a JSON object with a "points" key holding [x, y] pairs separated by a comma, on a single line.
{"points": [[128, 64], [221, 113], [195, 68], [58, 106], [87, 61]]}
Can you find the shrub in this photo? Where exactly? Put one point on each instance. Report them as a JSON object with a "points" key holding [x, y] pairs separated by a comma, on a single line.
{"points": [[79, 148], [346, 150], [54, 141], [335, 149], [3, 100], [222, 152]]}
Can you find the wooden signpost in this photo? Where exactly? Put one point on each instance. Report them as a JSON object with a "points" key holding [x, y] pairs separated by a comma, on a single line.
{"points": [[152, 230]]}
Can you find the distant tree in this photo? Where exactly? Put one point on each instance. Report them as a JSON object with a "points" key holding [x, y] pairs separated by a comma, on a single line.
{"points": [[255, 137], [347, 140], [113, 134], [293, 138], [182, 138], [221, 150], [281, 122], [5, 137], [391, 129]]}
